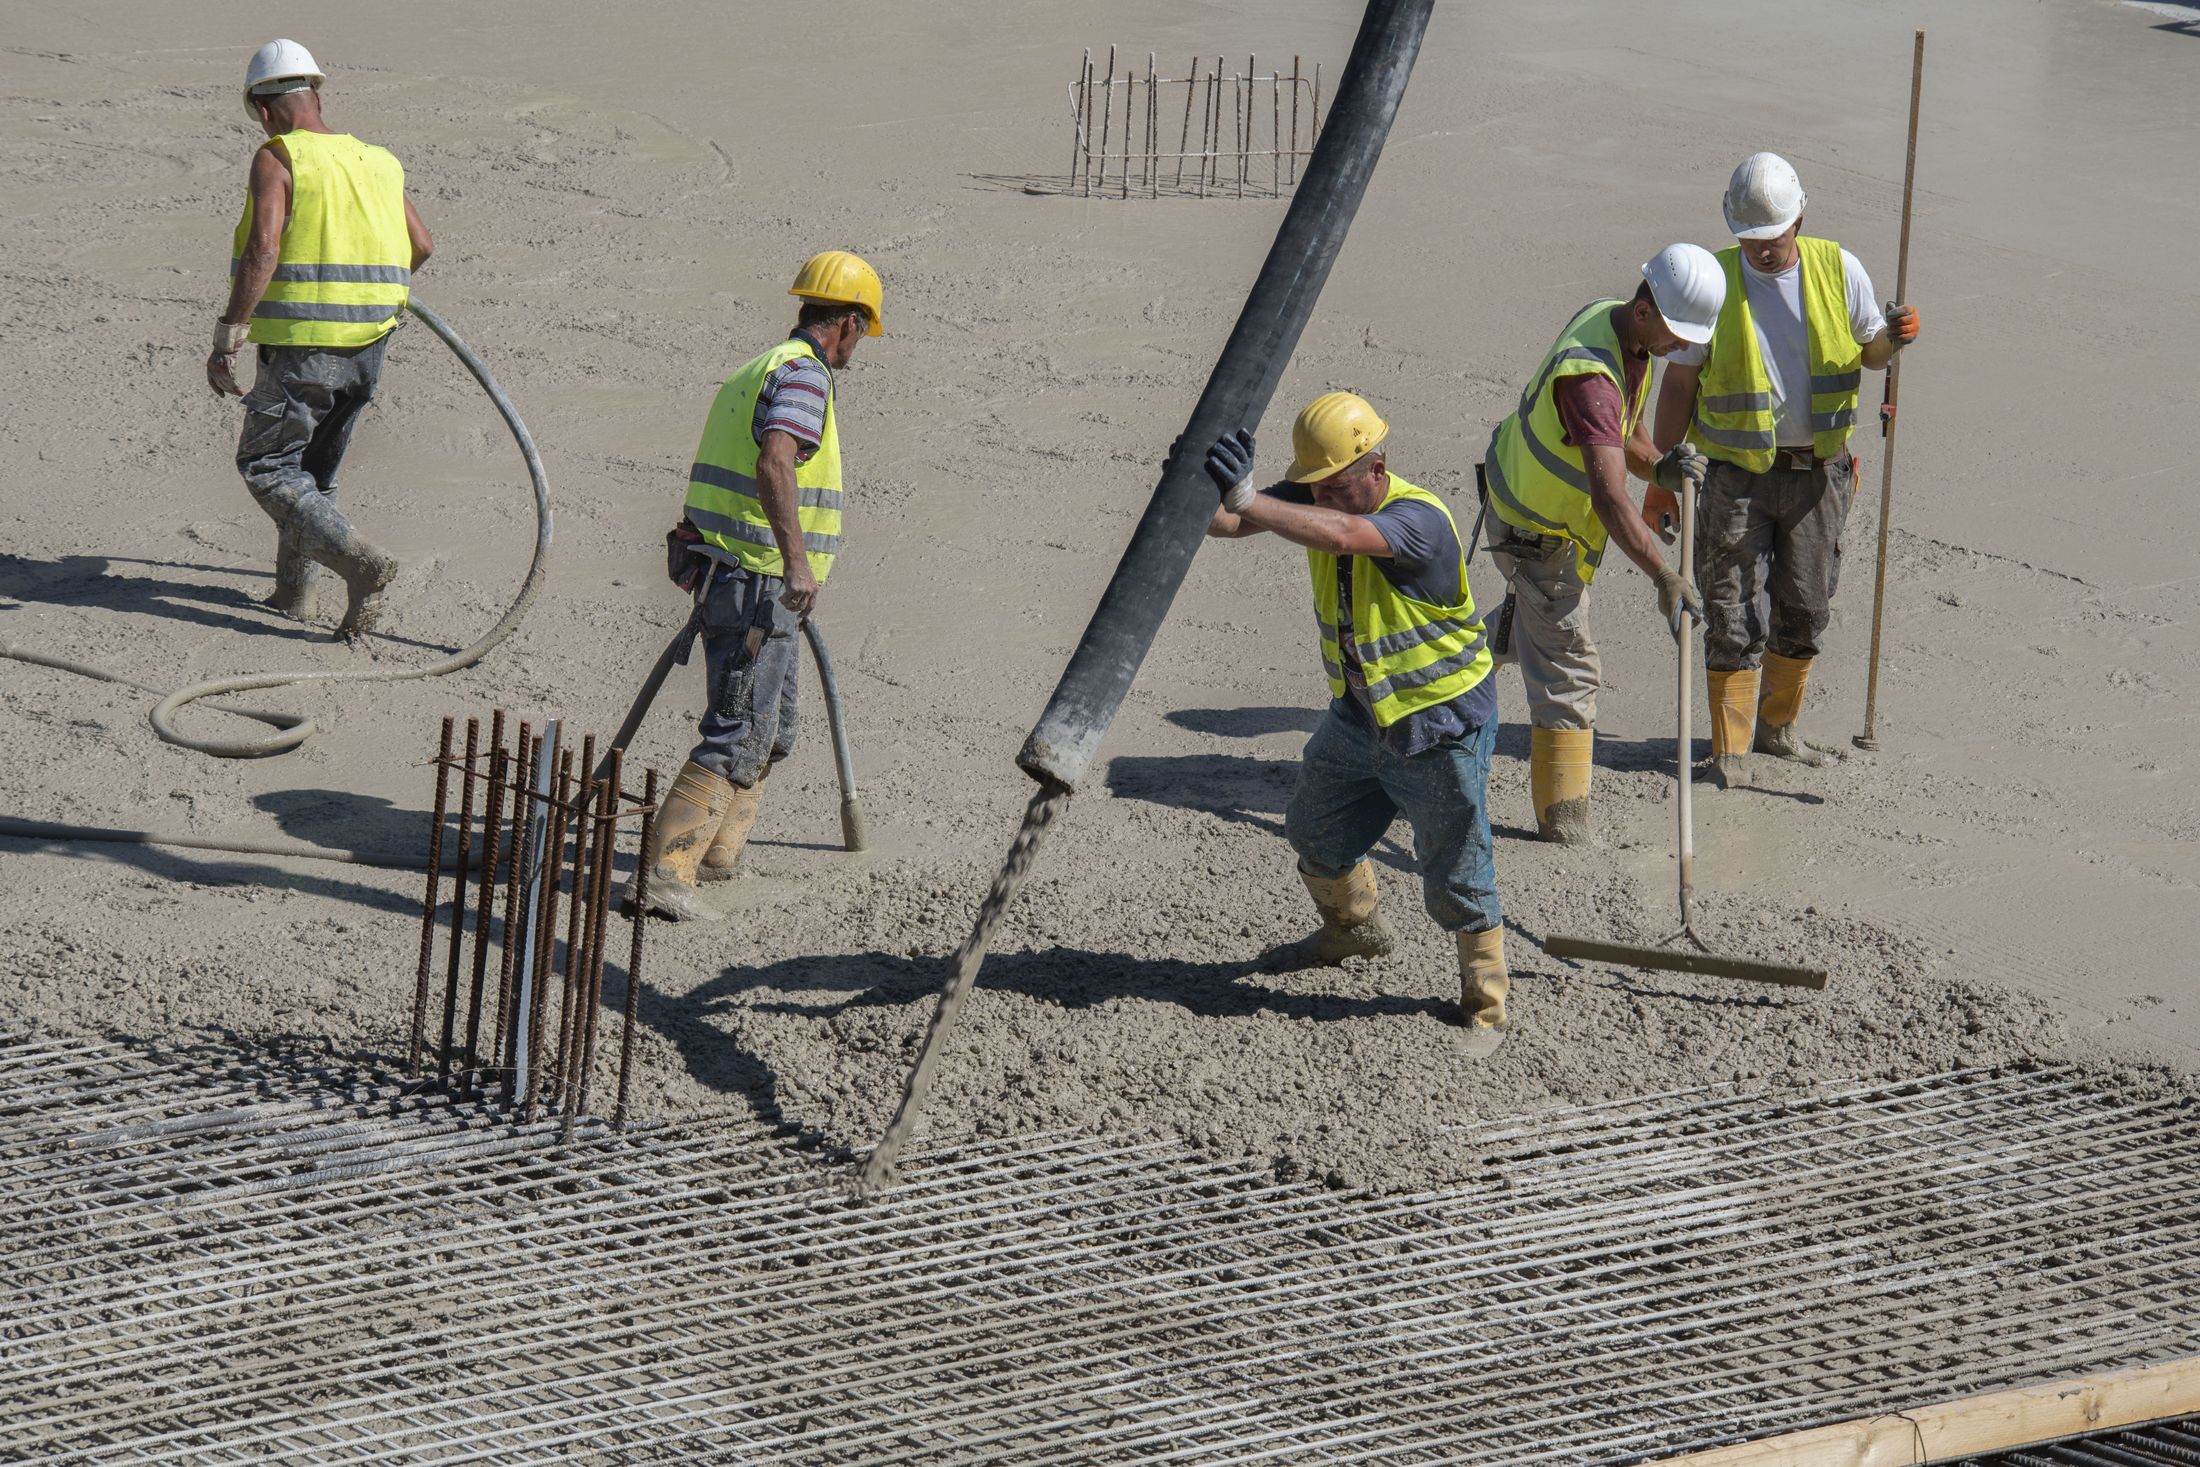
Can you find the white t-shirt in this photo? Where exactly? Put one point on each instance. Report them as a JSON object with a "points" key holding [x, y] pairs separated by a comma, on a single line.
{"points": [[1776, 309]]}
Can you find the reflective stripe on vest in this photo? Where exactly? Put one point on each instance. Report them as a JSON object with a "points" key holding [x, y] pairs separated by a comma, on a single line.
{"points": [[1537, 481], [1734, 416], [1414, 654], [345, 269], [722, 498]]}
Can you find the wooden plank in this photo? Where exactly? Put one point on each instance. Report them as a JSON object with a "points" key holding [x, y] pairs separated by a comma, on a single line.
{"points": [[1683, 960], [1976, 1425]]}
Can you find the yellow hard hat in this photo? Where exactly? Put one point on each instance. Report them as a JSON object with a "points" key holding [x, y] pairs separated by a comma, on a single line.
{"points": [[1333, 433], [843, 279]]}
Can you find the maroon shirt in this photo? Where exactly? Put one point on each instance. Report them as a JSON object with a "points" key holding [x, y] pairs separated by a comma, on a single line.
{"points": [[1591, 408]]}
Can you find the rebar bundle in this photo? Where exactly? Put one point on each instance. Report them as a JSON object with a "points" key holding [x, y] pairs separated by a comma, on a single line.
{"points": [[212, 1258], [1130, 136], [553, 833]]}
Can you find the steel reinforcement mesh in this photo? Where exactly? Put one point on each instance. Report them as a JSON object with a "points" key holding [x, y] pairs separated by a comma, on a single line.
{"points": [[215, 1260]]}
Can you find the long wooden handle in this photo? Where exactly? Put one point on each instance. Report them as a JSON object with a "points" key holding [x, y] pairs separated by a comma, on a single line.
{"points": [[1869, 738], [1686, 649]]}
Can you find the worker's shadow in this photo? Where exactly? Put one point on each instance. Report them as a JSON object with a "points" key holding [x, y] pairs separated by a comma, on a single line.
{"points": [[193, 868], [348, 821]]}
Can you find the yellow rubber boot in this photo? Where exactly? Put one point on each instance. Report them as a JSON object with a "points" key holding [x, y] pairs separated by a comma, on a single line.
{"points": [[1351, 925], [1778, 732], [733, 832], [1483, 983], [1558, 782], [1733, 718], [686, 821]]}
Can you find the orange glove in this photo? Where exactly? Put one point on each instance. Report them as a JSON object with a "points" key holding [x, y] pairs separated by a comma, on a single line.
{"points": [[1902, 324], [1661, 512]]}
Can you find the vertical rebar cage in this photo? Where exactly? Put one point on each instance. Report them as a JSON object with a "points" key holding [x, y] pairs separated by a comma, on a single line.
{"points": [[550, 829], [1121, 120]]}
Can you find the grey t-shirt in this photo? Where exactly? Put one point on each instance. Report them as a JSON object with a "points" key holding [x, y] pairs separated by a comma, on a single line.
{"points": [[1424, 563]]}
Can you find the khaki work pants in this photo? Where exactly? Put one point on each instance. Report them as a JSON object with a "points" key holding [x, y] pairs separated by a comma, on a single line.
{"points": [[1550, 626]]}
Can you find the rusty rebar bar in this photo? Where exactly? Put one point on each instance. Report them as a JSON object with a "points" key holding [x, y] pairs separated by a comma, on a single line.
{"points": [[1130, 99], [1294, 171], [428, 900], [1211, 163], [492, 836], [1076, 116], [1107, 113], [587, 867], [607, 837], [1184, 135], [546, 936], [634, 951], [1275, 134], [1314, 116], [461, 871], [576, 944], [523, 749]]}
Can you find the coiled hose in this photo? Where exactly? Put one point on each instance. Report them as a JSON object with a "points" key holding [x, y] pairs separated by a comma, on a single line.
{"points": [[293, 729]]}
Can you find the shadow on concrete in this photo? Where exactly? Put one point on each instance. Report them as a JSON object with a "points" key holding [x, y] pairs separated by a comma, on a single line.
{"points": [[1232, 787], [1246, 723]]}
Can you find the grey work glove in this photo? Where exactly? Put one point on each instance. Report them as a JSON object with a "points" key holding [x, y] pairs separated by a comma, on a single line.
{"points": [[1676, 595], [1230, 465], [1681, 461], [221, 363]]}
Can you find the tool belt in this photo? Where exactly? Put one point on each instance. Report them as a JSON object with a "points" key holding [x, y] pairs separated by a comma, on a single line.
{"points": [[1797, 458], [685, 565]]}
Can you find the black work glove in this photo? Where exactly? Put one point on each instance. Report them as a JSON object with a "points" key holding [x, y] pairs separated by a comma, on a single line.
{"points": [[1230, 465]]}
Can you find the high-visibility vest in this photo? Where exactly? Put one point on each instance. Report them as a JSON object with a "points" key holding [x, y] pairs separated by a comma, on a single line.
{"points": [[1415, 654], [346, 264], [1536, 480], [1734, 419], [722, 499]]}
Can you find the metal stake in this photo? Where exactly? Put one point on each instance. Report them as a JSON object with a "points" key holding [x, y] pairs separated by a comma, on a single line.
{"points": [[1107, 110], [1184, 137], [634, 953], [427, 901], [485, 901], [1083, 86], [1294, 119], [526, 1035], [522, 779], [458, 901]]}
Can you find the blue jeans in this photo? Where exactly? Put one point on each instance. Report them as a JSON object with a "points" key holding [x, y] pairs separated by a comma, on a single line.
{"points": [[750, 715], [1351, 788]]}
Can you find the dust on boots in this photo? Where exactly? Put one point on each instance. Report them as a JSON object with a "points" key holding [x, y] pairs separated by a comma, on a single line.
{"points": [[1484, 981], [724, 855], [1559, 761], [686, 824], [1351, 925], [1779, 714]]}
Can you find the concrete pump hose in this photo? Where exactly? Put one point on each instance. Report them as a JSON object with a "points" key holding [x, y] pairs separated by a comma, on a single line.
{"points": [[291, 731]]}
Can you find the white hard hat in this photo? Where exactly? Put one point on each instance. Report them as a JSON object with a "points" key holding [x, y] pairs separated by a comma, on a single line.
{"points": [[1688, 286], [279, 67], [1763, 197]]}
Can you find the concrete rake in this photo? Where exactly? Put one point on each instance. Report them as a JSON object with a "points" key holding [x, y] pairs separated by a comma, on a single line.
{"points": [[1697, 956]]}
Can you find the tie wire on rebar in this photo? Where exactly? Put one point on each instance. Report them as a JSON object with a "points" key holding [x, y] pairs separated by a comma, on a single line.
{"points": [[1228, 150], [552, 836]]}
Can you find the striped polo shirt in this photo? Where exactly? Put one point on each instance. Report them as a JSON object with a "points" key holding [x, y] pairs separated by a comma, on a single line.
{"points": [[793, 401]]}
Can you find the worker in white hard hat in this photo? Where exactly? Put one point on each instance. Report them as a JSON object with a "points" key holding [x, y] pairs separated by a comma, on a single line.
{"points": [[1412, 718], [1771, 398], [321, 265], [1555, 481], [754, 546]]}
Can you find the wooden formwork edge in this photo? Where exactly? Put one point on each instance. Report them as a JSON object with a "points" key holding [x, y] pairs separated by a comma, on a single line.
{"points": [[1975, 1425]]}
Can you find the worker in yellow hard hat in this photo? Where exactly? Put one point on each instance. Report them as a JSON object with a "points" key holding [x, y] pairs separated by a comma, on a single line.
{"points": [[1412, 717], [758, 538]]}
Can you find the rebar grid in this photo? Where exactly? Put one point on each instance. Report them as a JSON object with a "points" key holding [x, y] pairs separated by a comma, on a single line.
{"points": [[214, 1261], [1226, 158]]}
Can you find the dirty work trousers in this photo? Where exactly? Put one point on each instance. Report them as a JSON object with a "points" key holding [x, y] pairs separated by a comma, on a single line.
{"points": [[298, 420], [1351, 788], [1550, 625], [1768, 556], [751, 658]]}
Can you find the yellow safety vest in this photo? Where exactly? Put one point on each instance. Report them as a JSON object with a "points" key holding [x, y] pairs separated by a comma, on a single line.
{"points": [[346, 265], [1537, 481], [1415, 654], [1734, 419], [722, 498]]}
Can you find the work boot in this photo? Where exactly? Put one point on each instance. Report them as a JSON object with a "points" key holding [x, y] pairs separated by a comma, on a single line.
{"points": [[1558, 782], [1779, 731], [733, 832], [324, 534], [1351, 926], [686, 821], [1483, 982], [295, 573], [1733, 718]]}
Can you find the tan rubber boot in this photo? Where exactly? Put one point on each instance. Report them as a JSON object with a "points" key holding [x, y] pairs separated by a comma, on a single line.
{"points": [[1558, 781], [1351, 925], [1733, 717], [1778, 730], [732, 838], [686, 821], [1483, 983]]}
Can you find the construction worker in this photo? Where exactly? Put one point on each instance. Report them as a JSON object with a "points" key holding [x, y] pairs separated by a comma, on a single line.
{"points": [[320, 268], [761, 528], [1771, 398], [1556, 485], [1412, 717]]}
